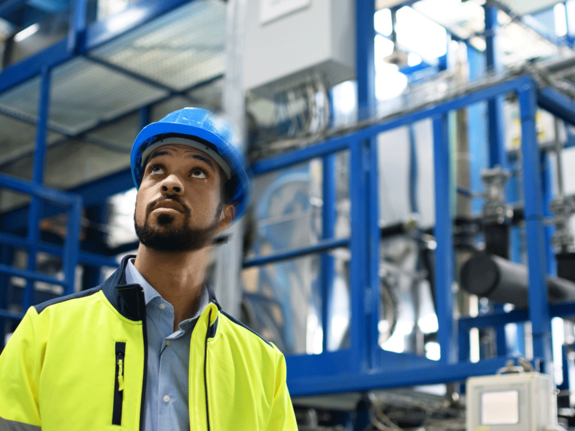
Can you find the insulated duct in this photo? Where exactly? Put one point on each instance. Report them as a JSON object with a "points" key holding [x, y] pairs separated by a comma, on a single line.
{"points": [[506, 282]]}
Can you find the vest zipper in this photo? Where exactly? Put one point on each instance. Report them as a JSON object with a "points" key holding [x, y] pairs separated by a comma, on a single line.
{"points": [[205, 369], [119, 383]]}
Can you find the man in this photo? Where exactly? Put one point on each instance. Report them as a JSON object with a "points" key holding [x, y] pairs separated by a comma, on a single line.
{"points": [[150, 348]]}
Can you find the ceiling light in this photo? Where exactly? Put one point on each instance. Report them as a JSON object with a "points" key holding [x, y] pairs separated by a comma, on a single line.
{"points": [[27, 32]]}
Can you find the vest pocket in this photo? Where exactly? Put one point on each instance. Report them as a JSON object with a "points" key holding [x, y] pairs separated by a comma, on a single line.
{"points": [[119, 384]]}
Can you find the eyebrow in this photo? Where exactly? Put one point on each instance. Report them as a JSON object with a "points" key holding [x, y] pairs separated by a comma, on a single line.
{"points": [[166, 152]]}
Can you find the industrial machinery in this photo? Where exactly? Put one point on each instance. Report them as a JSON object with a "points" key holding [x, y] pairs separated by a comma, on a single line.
{"points": [[362, 296], [512, 400]]}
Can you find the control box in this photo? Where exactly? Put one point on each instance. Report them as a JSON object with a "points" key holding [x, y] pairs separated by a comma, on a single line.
{"points": [[511, 402], [287, 42]]}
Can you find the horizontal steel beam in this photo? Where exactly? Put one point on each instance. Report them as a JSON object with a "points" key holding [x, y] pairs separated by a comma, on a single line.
{"points": [[27, 187], [55, 250], [31, 275], [92, 193], [31, 67], [11, 315], [9, 7], [97, 34], [131, 74], [321, 246], [135, 16], [372, 128], [428, 375], [84, 134], [566, 309]]}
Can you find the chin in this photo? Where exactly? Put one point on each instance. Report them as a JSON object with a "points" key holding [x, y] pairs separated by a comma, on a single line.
{"points": [[165, 220]]}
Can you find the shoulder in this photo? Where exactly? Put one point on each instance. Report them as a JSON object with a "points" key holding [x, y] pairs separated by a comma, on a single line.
{"points": [[66, 299], [246, 332]]}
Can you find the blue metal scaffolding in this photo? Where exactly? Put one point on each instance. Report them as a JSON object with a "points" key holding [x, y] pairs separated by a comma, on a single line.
{"points": [[363, 365], [45, 75]]}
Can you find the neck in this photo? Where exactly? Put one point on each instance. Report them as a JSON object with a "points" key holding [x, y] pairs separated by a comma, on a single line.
{"points": [[177, 276]]}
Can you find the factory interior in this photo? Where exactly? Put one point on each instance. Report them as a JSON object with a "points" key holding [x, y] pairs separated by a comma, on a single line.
{"points": [[409, 242]]}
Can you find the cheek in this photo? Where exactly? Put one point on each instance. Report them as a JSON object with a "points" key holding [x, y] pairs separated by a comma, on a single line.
{"points": [[140, 210], [204, 205]]}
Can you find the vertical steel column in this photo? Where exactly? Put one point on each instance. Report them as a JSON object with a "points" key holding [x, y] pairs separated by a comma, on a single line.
{"points": [[94, 241], [144, 116], [366, 104], [6, 258], [444, 258], [463, 345], [72, 244], [547, 195], [329, 197], [413, 206], [538, 305], [358, 274], [77, 25], [372, 196], [495, 117], [35, 213]]}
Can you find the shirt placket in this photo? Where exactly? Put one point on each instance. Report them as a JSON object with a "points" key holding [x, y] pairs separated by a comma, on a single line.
{"points": [[167, 396]]}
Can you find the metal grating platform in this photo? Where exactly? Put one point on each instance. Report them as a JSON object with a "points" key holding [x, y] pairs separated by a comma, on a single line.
{"points": [[23, 98], [18, 137], [165, 64], [179, 49], [84, 93]]}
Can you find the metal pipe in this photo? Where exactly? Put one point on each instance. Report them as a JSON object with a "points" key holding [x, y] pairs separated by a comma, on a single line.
{"points": [[558, 64], [505, 282], [558, 149]]}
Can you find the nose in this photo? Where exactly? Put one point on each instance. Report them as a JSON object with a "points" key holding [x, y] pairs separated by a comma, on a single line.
{"points": [[172, 184]]}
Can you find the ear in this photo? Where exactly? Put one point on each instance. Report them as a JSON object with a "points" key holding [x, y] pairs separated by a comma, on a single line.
{"points": [[227, 217]]}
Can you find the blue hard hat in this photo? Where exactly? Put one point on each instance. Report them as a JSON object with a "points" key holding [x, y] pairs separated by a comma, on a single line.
{"points": [[204, 131]]}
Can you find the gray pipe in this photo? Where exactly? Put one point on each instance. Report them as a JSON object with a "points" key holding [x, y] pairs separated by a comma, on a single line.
{"points": [[506, 282]]}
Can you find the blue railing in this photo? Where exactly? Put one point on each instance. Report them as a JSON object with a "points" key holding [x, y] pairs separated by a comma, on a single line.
{"points": [[69, 253], [365, 365]]}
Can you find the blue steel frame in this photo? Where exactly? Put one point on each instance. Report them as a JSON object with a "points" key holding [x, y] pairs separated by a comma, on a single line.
{"points": [[73, 205], [365, 365], [80, 41]]}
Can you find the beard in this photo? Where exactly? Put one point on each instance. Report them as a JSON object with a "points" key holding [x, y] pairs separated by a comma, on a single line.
{"points": [[167, 237]]}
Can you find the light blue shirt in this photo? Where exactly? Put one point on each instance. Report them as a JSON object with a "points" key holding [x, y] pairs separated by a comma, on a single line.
{"points": [[166, 406]]}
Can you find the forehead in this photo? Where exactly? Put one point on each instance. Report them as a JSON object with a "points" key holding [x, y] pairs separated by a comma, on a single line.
{"points": [[178, 151]]}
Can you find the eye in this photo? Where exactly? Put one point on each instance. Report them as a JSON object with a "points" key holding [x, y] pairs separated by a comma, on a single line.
{"points": [[156, 170], [198, 173]]}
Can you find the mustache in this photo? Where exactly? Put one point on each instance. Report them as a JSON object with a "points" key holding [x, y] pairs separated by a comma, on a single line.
{"points": [[164, 197]]}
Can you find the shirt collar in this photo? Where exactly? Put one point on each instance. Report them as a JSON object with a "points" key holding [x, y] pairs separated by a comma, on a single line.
{"points": [[133, 276]]}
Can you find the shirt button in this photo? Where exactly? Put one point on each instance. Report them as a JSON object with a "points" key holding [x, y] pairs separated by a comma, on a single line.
{"points": [[167, 342], [162, 306], [166, 398]]}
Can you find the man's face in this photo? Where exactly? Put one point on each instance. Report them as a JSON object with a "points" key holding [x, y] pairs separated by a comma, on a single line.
{"points": [[179, 204]]}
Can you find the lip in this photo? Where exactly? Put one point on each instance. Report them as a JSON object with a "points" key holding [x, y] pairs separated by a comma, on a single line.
{"points": [[169, 204]]}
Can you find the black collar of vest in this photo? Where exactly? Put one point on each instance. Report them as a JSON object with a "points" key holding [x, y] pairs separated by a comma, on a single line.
{"points": [[128, 299]]}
